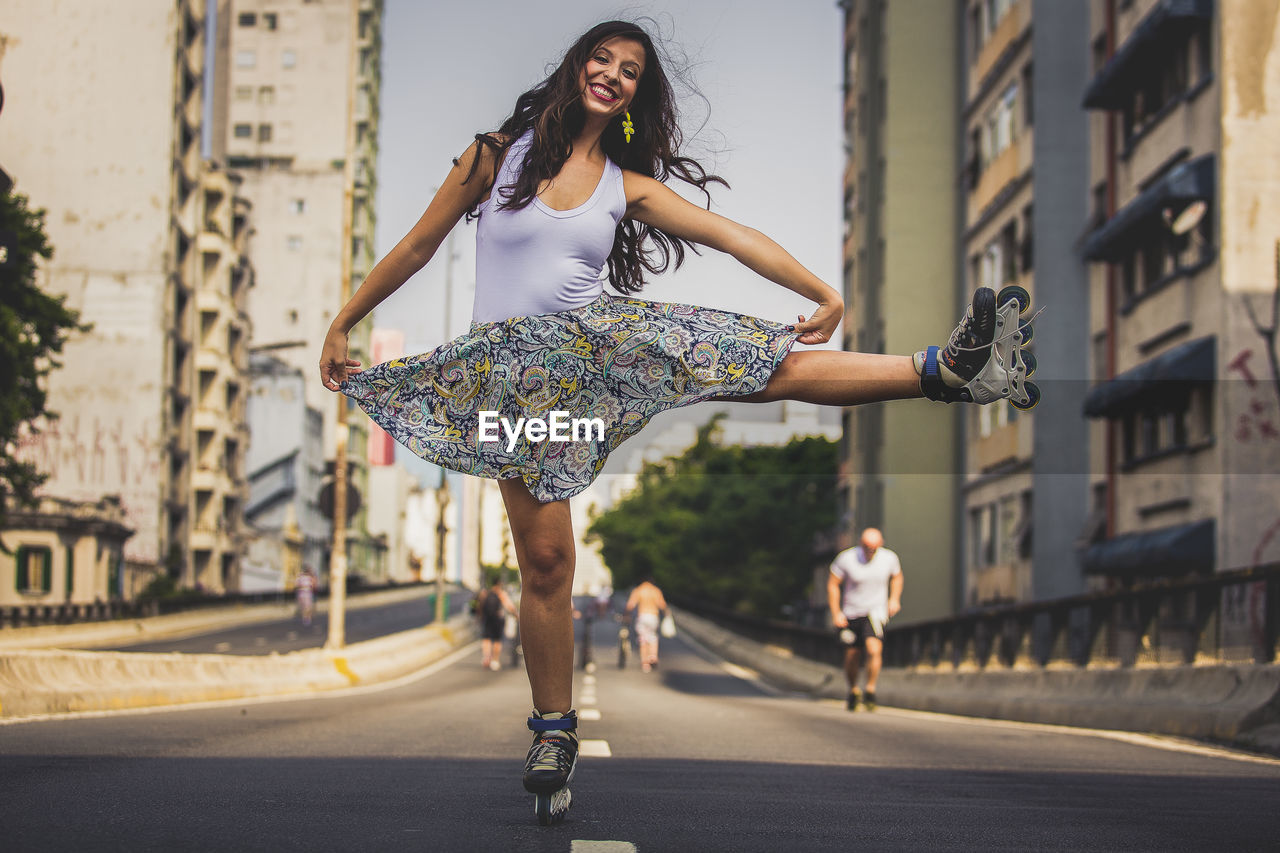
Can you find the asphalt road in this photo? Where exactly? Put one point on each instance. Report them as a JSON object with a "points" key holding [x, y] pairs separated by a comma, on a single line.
{"points": [[287, 635], [698, 759]]}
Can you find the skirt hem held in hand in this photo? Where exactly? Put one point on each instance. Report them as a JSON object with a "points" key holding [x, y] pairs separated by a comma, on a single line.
{"points": [[594, 375]]}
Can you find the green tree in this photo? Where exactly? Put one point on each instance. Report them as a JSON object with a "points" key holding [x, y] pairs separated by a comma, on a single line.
{"points": [[33, 328], [730, 525]]}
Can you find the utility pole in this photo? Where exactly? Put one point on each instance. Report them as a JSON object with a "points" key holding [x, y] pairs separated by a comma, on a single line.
{"points": [[338, 562]]}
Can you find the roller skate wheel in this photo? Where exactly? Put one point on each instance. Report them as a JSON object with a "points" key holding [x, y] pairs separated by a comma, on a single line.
{"points": [[1014, 291], [1029, 359], [1033, 397], [551, 808], [1027, 331]]}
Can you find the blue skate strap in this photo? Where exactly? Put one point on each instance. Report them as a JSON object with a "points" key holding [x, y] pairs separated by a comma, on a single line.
{"points": [[931, 371], [567, 723], [930, 377]]}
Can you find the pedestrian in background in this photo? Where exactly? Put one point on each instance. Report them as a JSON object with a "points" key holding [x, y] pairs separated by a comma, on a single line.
{"points": [[649, 605], [865, 591], [305, 592], [492, 607]]}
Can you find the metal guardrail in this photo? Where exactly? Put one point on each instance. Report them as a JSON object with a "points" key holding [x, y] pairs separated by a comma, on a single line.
{"points": [[30, 615], [1229, 617]]}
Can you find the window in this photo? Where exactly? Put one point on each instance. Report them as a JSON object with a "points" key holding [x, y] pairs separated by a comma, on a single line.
{"points": [[1009, 253], [248, 19], [992, 418], [1173, 422], [982, 537], [1028, 106], [246, 59], [1009, 522], [33, 573], [244, 93], [266, 94], [288, 58], [270, 20], [991, 266], [243, 131], [1178, 68], [997, 130], [293, 243], [264, 133], [1027, 248], [298, 205]]}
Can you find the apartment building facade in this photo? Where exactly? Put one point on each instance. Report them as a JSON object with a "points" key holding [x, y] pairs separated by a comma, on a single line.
{"points": [[281, 121], [147, 244], [901, 252], [1185, 121], [1026, 487], [968, 156]]}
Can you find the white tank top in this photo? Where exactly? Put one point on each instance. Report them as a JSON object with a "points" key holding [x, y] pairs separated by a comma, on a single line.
{"points": [[538, 260]]}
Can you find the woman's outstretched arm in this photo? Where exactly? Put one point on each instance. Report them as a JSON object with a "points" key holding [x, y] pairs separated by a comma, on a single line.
{"points": [[451, 201], [657, 205]]}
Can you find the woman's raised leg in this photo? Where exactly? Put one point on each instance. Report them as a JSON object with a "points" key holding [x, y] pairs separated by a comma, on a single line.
{"points": [[838, 378], [543, 535]]}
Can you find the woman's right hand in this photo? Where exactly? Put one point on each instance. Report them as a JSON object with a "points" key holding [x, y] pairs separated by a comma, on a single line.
{"points": [[334, 364]]}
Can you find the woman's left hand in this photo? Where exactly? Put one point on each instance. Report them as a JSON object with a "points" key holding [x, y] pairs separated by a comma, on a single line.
{"points": [[821, 325]]}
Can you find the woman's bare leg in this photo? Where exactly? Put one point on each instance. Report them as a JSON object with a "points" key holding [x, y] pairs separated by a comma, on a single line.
{"points": [[837, 378], [543, 535]]}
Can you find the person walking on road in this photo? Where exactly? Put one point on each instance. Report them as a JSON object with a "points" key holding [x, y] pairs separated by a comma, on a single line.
{"points": [[305, 593], [570, 193], [650, 606], [865, 591], [492, 608]]}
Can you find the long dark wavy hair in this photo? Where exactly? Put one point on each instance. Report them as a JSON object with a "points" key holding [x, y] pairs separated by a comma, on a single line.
{"points": [[554, 110]]}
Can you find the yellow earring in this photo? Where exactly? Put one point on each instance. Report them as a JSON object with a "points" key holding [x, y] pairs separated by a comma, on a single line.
{"points": [[627, 127]]}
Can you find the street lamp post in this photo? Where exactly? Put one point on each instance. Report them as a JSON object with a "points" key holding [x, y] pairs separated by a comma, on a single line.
{"points": [[338, 563]]}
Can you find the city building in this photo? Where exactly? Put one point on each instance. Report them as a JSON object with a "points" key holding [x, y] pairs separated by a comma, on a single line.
{"points": [[1025, 492], [1185, 122], [281, 120], [213, 527], [902, 250], [285, 464], [64, 552], [103, 128]]}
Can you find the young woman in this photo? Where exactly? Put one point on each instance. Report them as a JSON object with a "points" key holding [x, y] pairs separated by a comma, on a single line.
{"points": [[571, 187]]}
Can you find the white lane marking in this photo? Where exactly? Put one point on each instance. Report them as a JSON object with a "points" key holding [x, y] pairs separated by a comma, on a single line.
{"points": [[577, 846], [748, 675], [588, 679], [1168, 743], [431, 669], [592, 714], [587, 698], [594, 748]]}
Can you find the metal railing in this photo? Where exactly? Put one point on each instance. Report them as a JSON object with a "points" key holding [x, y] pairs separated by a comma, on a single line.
{"points": [[30, 615], [1229, 617]]}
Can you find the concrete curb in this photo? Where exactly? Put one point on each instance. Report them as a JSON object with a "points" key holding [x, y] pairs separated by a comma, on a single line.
{"points": [[85, 635], [1234, 703], [52, 681]]}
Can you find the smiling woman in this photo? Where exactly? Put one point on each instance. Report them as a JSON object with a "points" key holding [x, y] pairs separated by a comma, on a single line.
{"points": [[570, 192]]}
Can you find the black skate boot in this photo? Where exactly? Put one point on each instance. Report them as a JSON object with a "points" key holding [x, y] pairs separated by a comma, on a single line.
{"points": [[983, 361], [551, 762]]}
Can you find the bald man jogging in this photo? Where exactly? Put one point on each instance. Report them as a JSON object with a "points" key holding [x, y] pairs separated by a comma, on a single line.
{"points": [[865, 591]]}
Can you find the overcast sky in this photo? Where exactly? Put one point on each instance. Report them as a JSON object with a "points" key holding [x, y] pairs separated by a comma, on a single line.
{"points": [[770, 125]]}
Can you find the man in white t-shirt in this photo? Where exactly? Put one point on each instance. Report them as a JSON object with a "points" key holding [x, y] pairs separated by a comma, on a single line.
{"points": [[865, 590]]}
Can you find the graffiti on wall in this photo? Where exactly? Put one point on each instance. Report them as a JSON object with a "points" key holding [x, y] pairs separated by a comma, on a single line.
{"points": [[87, 458]]}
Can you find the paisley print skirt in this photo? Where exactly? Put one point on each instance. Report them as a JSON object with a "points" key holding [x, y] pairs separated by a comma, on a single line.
{"points": [[617, 360]]}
